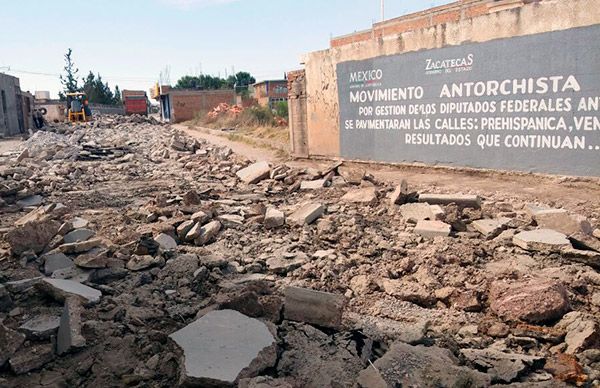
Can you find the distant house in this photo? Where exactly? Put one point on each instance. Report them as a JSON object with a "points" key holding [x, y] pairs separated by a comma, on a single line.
{"points": [[16, 107], [178, 105], [269, 93]]}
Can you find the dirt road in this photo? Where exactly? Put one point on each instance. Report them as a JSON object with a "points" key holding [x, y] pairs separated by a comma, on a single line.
{"points": [[7, 145]]}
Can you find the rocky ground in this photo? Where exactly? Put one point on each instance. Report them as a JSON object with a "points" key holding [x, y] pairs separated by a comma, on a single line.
{"points": [[133, 255]]}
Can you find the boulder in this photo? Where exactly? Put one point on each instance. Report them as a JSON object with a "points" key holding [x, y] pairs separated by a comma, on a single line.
{"points": [[254, 173], [533, 301], [543, 240], [314, 307], [223, 347]]}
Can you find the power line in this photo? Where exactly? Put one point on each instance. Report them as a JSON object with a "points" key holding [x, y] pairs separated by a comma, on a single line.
{"points": [[111, 78]]}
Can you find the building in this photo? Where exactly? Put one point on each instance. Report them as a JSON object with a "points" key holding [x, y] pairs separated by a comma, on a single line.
{"points": [[16, 107], [269, 93], [177, 106], [472, 84]]}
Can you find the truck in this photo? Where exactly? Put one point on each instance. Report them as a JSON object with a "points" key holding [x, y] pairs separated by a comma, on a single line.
{"points": [[135, 102]]}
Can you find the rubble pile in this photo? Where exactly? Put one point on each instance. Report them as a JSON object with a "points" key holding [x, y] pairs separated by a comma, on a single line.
{"points": [[133, 255], [224, 109]]}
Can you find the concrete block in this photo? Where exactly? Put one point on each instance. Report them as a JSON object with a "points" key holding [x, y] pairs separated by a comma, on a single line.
{"points": [[400, 194], [431, 229], [61, 289], [563, 222], [254, 173], [472, 201], [313, 185], [274, 218], [41, 327], [55, 261], [490, 228], [166, 242], [314, 307], [541, 240], [367, 195], [415, 212], [307, 214], [69, 333]]}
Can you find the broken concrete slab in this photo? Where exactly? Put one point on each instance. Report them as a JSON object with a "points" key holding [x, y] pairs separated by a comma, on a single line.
{"points": [[353, 176], [41, 327], [10, 342], [33, 235], [533, 301], [69, 333], [223, 347], [80, 247], [231, 220], [472, 201], [415, 212], [432, 229], [306, 214], [503, 368], [78, 235], [208, 233], [313, 185], [282, 265], [583, 332], [419, 366], [60, 289], [166, 242], [563, 222], [55, 261], [184, 229], [491, 228], [274, 218], [591, 258], [140, 263], [366, 195], [314, 307], [388, 330], [254, 173], [33, 200], [544, 240], [400, 194], [583, 241], [32, 358]]}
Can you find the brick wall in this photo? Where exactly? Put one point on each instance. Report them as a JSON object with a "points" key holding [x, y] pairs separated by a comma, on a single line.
{"points": [[187, 105]]}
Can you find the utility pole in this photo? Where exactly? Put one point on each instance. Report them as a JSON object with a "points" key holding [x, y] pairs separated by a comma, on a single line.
{"points": [[382, 10]]}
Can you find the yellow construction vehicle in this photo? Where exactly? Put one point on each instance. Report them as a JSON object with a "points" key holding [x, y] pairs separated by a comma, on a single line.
{"points": [[77, 107]]}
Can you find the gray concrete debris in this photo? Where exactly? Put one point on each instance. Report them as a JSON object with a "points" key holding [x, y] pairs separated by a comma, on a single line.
{"points": [[432, 229], [353, 176], [367, 195], [69, 333], [415, 212], [306, 214], [223, 347], [503, 368], [583, 241], [254, 173], [545, 240], [563, 222], [34, 235], [400, 194], [78, 235], [32, 358], [31, 201], [314, 307], [491, 228], [55, 261], [40, 327], [80, 247], [419, 366], [140, 263], [10, 342], [166, 242], [282, 265], [583, 332], [61, 289], [274, 218], [208, 233], [313, 185], [469, 201]]}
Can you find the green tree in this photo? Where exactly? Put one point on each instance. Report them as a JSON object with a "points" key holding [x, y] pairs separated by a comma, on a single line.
{"points": [[69, 79], [117, 96], [206, 82], [97, 90]]}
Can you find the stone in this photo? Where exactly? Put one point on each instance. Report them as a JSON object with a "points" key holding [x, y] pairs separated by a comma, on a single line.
{"points": [[254, 173], [591, 258], [432, 229], [503, 368], [533, 301], [94, 259], [23, 155], [140, 263], [313, 185], [583, 241], [361, 285], [561, 221], [166, 242], [420, 366], [596, 233], [41, 327], [582, 332], [388, 330], [35, 235], [231, 220], [566, 368], [201, 217], [184, 229], [353, 176], [32, 358], [543, 240], [409, 291], [415, 212], [400, 194], [314, 307], [10, 342], [31, 201], [224, 347], [78, 235], [366, 195], [306, 214], [80, 247], [491, 228], [471, 201], [55, 261], [208, 233], [61, 289], [282, 265], [69, 333], [79, 223], [274, 218]]}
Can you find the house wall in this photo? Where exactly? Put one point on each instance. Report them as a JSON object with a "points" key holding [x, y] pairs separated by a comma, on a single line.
{"points": [[9, 101]]}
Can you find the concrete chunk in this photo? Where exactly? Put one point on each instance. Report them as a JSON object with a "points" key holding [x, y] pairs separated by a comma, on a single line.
{"points": [[431, 229], [208, 233], [472, 201], [596, 233], [34, 235], [10, 342], [313, 185], [166, 242], [415, 212], [78, 235], [41, 327], [55, 261], [563, 222], [61, 289], [274, 218], [490, 228], [254, 173], [223, 347], [80, 247], [366, 195], [29, 359], [541, 240], [69, 334], [307, 214], [400, 195], [314, 307]]}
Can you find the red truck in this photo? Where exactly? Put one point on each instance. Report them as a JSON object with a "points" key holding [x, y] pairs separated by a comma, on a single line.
{"points": [[135, 102]]}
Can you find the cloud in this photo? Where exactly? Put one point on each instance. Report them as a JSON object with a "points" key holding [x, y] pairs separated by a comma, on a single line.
{"points": [[186, 4]]}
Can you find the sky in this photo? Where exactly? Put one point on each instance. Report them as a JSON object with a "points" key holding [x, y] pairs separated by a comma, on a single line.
{"points": [[130, 42]]}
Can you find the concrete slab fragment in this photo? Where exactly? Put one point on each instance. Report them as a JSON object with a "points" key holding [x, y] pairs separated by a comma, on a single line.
{"points": [[78, 235], [313, 185], [306, 214], [490, 228], [366, 195], [55, 261], [254, 173], [166, 242], [415, 212], [274, 218], [461, 200], [69, 334], [41, 327], [431, 229], [314, 307], [541, 240], [61, 289]]}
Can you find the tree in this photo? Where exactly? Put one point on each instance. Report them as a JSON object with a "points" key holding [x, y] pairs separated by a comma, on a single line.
{"points": [[98, 91], [240, 81], [117, 98], [243, 80], [69, 80]]}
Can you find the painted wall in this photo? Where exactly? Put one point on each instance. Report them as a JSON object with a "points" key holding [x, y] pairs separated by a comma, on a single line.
{"points": [[504, 19], [9, 120]]}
